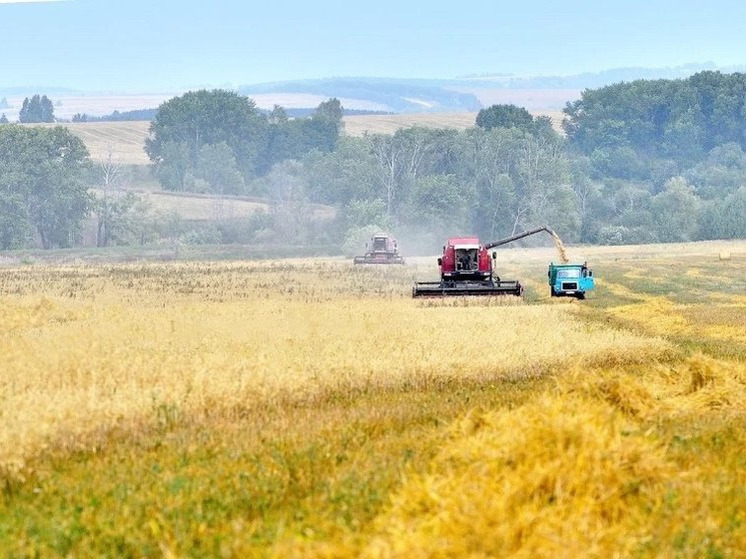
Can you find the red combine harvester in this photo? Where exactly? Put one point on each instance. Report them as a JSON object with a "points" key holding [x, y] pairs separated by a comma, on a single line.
{"points": [[466, 268], [383, 250]]}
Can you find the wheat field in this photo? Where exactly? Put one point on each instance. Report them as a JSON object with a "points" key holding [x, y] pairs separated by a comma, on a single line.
{"points": [[125, 141], [312, 408]]}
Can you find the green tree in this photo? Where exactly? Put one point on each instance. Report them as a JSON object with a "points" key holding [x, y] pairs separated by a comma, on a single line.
{"points": [[183, 125], [16, 231], [347, 174], [654, 123], [42, 184], [488, 166], [104, 206], [290, 205], [722, 172], [511, 116], [319, 132], [543, 194], [330, 112], [122, 219], [278, 115], [677, 211], [505, 116], [401, 159], [174, 165], [216, 165], [360, 213], [3, 119], [36, 109], [437, 201], [726, 218]]}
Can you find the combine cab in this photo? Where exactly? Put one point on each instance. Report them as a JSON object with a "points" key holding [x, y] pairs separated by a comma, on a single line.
{"points": [[571, 280], [382, 250], [466, 268]]}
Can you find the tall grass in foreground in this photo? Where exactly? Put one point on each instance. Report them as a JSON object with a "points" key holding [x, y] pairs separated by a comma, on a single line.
{"points": [[590, 469]]}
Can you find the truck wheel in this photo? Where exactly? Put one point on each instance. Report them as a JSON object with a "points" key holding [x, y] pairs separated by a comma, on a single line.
{"points": [[580, 296], [552, 292]]}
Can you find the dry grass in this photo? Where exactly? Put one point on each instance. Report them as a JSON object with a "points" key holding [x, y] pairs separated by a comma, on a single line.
{"points": [[218, 336], [559, 469], [249, 409], [124, 140], [357, 125], [205, 207]]}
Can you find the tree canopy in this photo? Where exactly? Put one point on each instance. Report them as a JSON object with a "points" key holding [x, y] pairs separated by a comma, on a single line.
{"points": [[661, 157], [36, 109], [42, 187], [648, 161], [229, 126], [512, 116], [651, 121]]}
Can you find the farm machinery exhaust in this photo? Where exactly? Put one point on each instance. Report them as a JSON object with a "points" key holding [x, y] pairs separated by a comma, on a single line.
{"points": [[467, 268]]}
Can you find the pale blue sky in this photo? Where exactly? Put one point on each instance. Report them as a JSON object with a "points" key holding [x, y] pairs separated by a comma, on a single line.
{"points": [[150, 46]]}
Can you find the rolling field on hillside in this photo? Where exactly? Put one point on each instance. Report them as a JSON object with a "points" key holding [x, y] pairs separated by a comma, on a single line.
{"points": [[312, 408], [388, 124], [126, 140], [196, 207]]}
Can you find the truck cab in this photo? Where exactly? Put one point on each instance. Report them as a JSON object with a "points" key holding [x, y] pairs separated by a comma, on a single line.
{"points": [[572, 280]]}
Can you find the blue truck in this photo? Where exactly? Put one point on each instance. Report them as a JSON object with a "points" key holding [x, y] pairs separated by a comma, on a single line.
{"points": [[570, 280]]}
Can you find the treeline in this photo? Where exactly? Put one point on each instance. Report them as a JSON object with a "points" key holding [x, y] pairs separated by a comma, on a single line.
{"points": [[510, 172], [657, 151], [507, 174], [42, 192], [648, 130], [656, 161], [217, 141], [149, 114], [116, 116]]}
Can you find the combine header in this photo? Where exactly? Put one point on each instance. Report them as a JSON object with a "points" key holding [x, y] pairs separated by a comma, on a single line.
{"points": [[383, 250], [466, 268]]}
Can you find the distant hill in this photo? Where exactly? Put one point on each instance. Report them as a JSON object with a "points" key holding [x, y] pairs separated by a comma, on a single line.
{"points": [[149, 114], [366, 95], [382, 94], [116, 116], [466, 93], [591, 80]]}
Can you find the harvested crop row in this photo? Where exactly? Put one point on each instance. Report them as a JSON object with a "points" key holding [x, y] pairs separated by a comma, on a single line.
{"points": [[76, 368]]}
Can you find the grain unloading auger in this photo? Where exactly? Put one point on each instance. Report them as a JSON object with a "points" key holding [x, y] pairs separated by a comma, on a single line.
{"points": [[467, 268]]}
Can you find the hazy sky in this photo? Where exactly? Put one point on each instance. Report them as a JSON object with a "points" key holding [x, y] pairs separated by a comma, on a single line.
{"points": [[152, 45]]}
